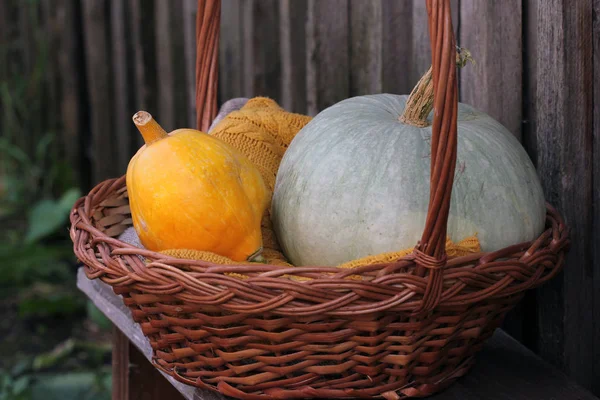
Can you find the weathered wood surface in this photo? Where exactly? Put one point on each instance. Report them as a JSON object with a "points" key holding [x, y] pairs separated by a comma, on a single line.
{"points": [[366, 41], [146, 382], [595, 238], [504, 370], [327, 54], [492, 32], [120, 365], [559, 136], [99, 83], [292, 28]]}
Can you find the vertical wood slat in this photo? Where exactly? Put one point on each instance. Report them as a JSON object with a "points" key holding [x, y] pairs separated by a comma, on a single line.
{"points": [[171, 71], [142, 25], [246, 44], [231, 49], [397, 46], [120, 365], [265, 69], [366, 40], [164, 65], [190, 8], [420, 58], [99, 88], [145, 382], [492, 32], [122, 87], [559, 69], [327, 56], [50, 90], [595, 234], [250, 49], [180, 81], [28, 60], [293, 54]]}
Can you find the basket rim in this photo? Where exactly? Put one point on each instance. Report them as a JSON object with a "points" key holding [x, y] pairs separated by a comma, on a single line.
{"points": [[216, 278]]}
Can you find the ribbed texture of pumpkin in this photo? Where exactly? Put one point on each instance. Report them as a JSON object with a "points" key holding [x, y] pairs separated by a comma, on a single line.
{"points": [[355, 182], [192, 191]]}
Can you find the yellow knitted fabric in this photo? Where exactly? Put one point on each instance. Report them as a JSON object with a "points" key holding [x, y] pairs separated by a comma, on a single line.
{"points": [[262, 131]]}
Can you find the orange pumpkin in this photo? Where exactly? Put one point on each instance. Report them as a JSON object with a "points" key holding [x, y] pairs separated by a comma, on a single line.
{"points": [[190, 190]]}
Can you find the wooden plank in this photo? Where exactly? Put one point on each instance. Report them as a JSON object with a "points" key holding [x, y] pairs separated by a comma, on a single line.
{"points": [[164, 64], [421, 49], [171, 71], [145, 381], [266, 67], [397, 46], [180, 87], [492, 32], [120, 365], [122, 92], [190, 8], [247, 46], [504, 369], [293, 54], [72, 81], [99, 85], [143, 35], [327, 56], [366, 56], [231, 51], [50, 82], [595, 239], [559, 68], [493, 84]]}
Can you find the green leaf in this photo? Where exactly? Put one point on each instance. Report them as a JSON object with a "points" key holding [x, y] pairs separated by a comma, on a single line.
{"points": [[75, 385], [50, 305], [21, 385], [25, 264], [21, 366], [49, 215], [52, 358]]}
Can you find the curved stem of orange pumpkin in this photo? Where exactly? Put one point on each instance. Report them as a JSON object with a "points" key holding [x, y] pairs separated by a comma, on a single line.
{"points": [[150, 129], [420, 100]]}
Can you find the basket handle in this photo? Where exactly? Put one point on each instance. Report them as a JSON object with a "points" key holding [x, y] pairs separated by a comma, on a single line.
{"points": [[430, 252], [208, 20]]}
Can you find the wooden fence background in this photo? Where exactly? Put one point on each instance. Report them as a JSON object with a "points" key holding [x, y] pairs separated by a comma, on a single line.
{"points": [[537, 70]]}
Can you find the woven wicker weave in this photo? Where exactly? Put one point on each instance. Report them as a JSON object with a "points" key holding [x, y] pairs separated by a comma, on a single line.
{"points": [[407, 329]]}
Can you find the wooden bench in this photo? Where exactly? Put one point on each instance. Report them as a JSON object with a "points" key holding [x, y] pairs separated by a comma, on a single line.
{"points": [[504, 370]]}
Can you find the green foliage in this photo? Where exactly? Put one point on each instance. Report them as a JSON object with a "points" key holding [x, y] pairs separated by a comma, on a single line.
{"points": [[53, 304], [37, 264], [74, 385], [48, 215], [90, 385]]}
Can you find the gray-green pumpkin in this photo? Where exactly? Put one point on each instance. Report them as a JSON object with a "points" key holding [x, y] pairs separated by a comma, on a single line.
{"points": [[355, 182]]}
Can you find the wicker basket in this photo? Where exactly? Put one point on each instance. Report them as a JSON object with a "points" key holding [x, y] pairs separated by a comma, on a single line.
{"points": [[407, 329]]}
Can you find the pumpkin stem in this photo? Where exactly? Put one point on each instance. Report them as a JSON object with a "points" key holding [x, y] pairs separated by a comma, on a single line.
{"points": [[150, 129], [420, 100]]}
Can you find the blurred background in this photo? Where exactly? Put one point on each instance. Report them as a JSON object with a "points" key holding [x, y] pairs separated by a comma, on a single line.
{"points": [[73, 72]]}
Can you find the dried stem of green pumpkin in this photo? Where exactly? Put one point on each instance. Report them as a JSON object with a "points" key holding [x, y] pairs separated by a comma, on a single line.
{"points": [[420, 100]]}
